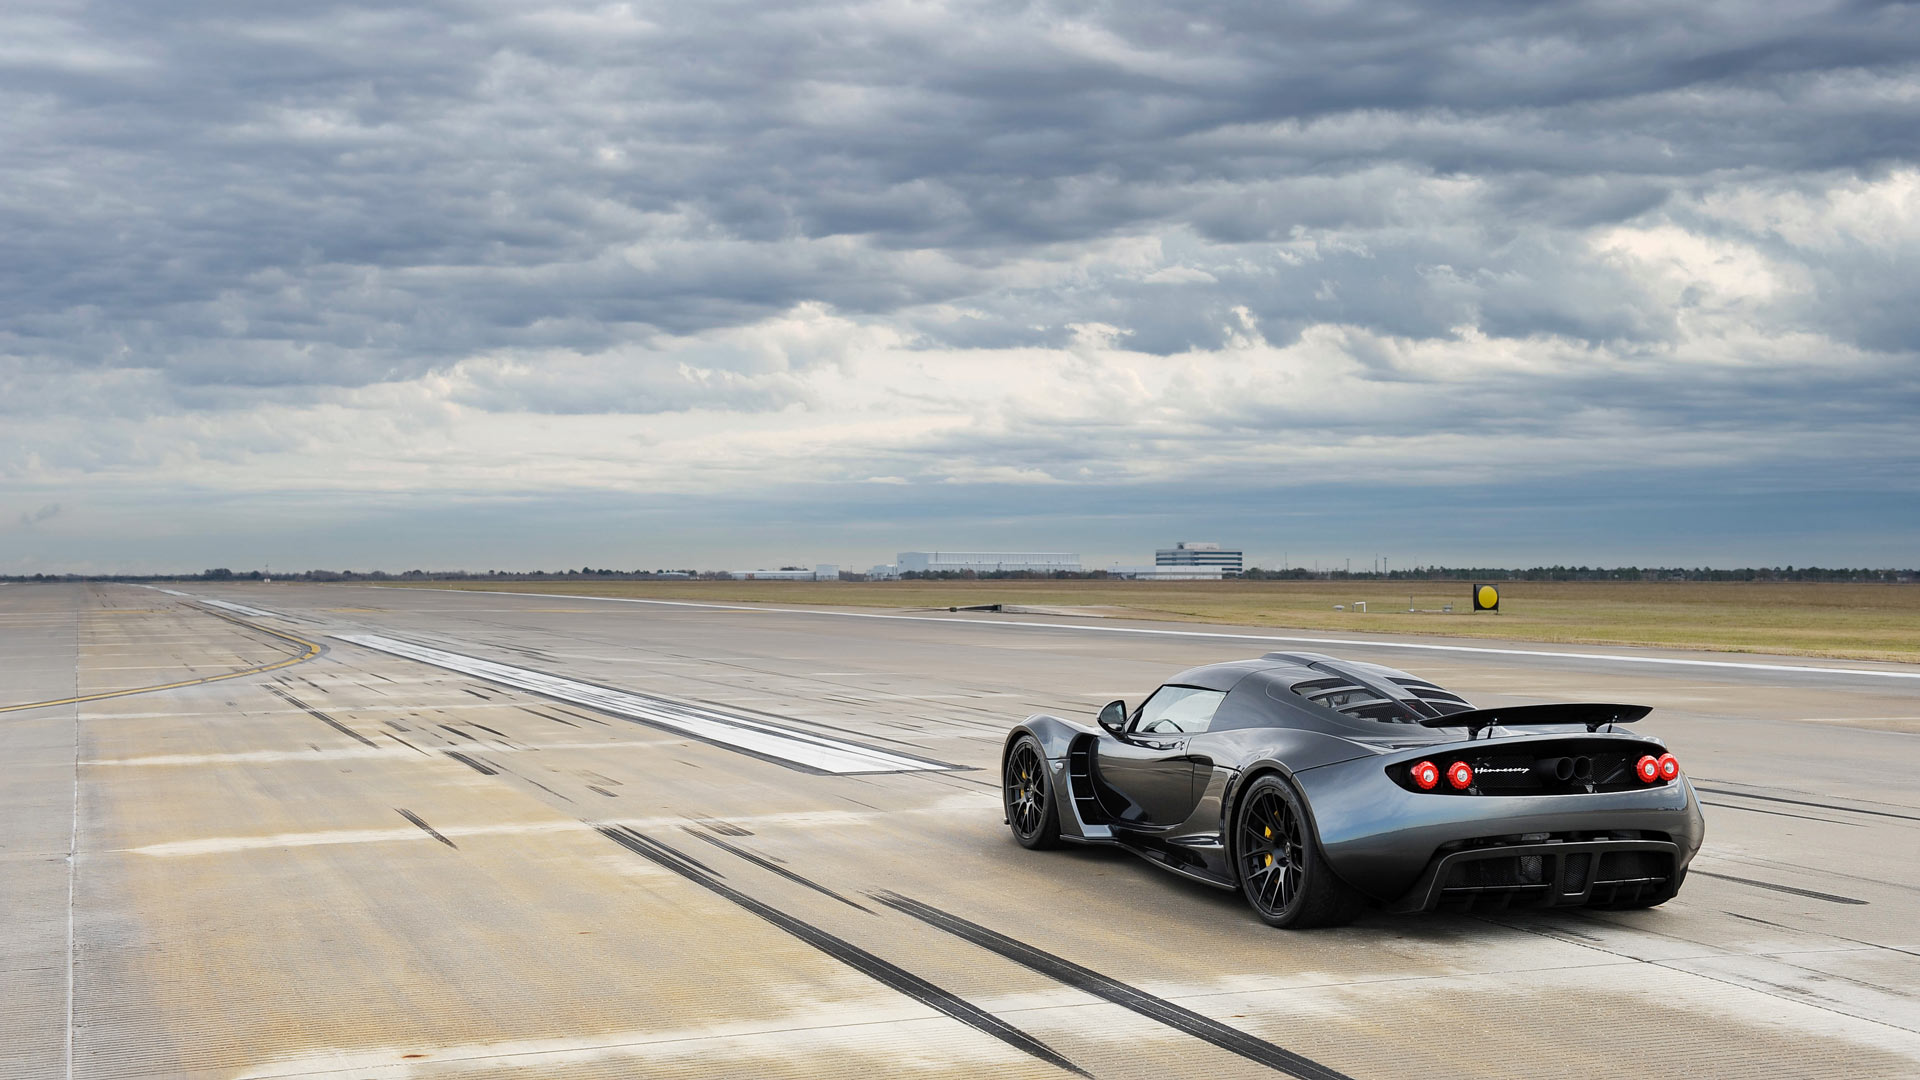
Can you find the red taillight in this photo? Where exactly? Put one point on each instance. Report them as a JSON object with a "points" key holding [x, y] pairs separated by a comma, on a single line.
{"points": [[1426, 776], [1669, 767], [1649, 769], [1459, 775]]}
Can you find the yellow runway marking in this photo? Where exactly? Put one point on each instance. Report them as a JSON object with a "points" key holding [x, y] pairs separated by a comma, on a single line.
{"points": [[312, 650]]}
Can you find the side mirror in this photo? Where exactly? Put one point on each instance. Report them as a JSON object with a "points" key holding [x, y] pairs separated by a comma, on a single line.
{"points": [[1114, 717]]}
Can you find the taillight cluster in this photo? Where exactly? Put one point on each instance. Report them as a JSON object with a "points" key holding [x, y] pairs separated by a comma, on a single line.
{"points": [[1426, 776], [1652, 770]]}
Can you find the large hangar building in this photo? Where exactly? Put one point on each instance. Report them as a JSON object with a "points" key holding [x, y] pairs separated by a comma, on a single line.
{"points": [[987, 562], [822, 572], [1167, 573]]}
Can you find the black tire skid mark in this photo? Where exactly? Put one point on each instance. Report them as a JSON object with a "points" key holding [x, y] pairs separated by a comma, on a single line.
{"points": [[405, 743], [1159, 1009], [472, 763], [1805, 802], [1830, 898], [1781, 813], [890, 975], [320, 716], [769, 865], [544, 716], [428, 829]]}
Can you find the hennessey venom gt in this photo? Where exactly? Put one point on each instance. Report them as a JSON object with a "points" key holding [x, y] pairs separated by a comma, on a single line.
{"points": [[1318, 786]]}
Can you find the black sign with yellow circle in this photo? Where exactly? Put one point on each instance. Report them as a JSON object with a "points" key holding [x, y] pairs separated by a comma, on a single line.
{"points": [[1486, 598]]}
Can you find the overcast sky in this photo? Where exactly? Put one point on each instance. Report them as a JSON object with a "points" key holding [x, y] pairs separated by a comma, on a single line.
{"points": [[518, 284]]}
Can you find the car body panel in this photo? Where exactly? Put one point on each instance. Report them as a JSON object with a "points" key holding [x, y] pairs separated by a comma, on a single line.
{"points": [[1372, 830]]}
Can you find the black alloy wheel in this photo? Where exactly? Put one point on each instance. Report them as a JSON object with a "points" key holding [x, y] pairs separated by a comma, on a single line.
{"points": [[1029, 798], [1281, 872]]}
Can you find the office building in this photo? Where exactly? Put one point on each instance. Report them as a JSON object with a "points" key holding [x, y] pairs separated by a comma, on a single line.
{"points": [[1192, 553]]}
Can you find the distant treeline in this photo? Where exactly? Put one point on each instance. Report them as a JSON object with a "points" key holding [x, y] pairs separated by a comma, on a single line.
{"points": [[1593, 573], [224, 574], [1482, 573], [1423, 573]]}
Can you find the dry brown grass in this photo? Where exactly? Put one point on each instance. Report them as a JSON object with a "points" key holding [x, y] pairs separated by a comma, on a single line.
{"points": [[1874, 622]]}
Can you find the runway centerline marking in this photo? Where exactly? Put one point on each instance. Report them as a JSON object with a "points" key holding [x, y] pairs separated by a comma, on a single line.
{"points": [[1154, 632], [782, 745]]}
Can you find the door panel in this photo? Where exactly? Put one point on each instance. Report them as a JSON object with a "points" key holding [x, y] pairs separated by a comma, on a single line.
{"points": [[1149, 774], [1150, 778]]}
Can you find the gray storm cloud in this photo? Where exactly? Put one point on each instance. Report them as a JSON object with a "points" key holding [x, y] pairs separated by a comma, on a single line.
{"points": [[479, 248]]}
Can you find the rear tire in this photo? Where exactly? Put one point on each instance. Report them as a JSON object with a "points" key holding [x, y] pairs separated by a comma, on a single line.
{"points": [[1282, 873], [1027, 791]]}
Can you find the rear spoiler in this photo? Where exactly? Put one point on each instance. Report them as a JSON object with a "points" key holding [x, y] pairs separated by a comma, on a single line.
{"points": [[1594, 716]]}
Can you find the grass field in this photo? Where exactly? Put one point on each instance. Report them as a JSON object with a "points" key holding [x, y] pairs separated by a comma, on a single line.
{"points": [[1875, 622]]}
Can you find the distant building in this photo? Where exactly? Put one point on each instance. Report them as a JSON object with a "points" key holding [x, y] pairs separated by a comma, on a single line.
{"points": [[1194, 554], [823, 572], [884, 572], [1167, 573], [987, 562]]}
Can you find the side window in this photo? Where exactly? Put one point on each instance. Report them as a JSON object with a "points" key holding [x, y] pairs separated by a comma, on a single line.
{"points": [[1187, 709]]}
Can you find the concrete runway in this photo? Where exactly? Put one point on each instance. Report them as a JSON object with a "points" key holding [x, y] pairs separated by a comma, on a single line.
{"points": [[447, 847]]}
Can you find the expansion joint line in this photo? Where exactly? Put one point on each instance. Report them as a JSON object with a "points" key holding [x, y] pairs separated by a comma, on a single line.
{"points": [[73, 841]]}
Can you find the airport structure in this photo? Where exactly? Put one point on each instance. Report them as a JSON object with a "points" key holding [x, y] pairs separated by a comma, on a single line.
{"points": [[823, 572], [1167, 573], [986, 562], [1192, 554]]}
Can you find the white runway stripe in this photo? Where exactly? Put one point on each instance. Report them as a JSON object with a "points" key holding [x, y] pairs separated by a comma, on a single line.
{"points": [[785, 745], [239, 609]]}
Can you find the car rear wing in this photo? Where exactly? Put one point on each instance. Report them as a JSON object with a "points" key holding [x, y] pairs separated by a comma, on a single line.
{"points": [[1594, 716]]}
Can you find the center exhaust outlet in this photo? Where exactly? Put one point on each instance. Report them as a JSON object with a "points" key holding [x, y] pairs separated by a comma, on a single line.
{"points": [[1565, 770], [1554, 768]]}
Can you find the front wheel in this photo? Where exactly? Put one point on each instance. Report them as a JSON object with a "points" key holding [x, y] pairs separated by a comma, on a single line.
{"points": [[1029, 796], [1282, 872]]}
